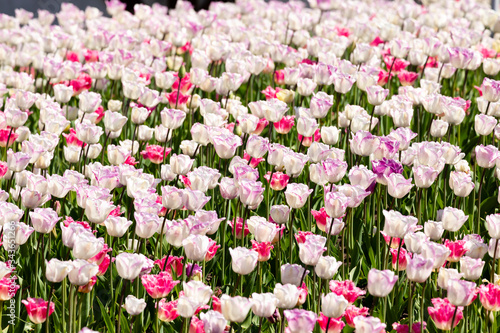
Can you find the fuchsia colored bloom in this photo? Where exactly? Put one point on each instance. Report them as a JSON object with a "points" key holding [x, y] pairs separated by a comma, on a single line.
{"points": [[173, 265], [347, 289], [216, 304], [196, 326], [285, 124], [352, 312], [239, 227], [442, 313], [167, 311], [279, 77], [91, 55], [489, 295], [4, 136], [457, 248], [402, 328], [336, 324], [263, 249], [89, 286], [321, 217], [301, 236], [37, 309], [212, 250], [403, 259], [173, 100], [155, 153], [397, 65], [307, 141], [279, 180], [3, 169], [71, 138], [407, 78], [8, 288], [159, 285], [394, 242], [253, 162], [185, 84], [270, 93], [72, 56], [83, 82], [263, 122]]}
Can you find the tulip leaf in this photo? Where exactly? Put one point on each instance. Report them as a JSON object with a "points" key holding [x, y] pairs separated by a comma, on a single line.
{"points": [[105, 316]]}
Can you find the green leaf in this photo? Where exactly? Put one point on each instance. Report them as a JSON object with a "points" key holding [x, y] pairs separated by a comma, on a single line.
{"points": [[105, 315]]}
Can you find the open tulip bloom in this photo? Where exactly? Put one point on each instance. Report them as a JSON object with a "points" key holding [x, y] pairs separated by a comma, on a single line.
{"points": [[182, 170]]}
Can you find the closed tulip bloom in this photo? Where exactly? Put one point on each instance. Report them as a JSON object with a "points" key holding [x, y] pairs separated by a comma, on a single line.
{"points": [[434, 230], [292, 274], [243, 260], [419, 268], [280, 213], [327, 267], [194, 200], [262, 230], [56, 270], [97, 210], [297, 194], [368, 325], [43, 219], [197, 291], [307, 126], [264, 305], [63, 93], [213, 321], [494, 248], [471, 268], [134, 306], [424, 176], [439, 128], [17, 162], [248, 123], [361, 176], [257, 146], [250, 193], [274, 109], [129, 265], [87, 245], [159, 285], [453, 219], [300, 320], [139, 115], [398, 225], [333, 306], [493, 225], [116, 226], [225, 145], [460, 292], [489, 295], [228, 188], [320, 104], [398, 186], [146, 224], [380, 283], [461, 183], [447, 274], [376, 94], [172, 197], [330, 135], [486, 156], [196, 247], [114, 121], [82, 272], [172, 118], [37, 309], [414, 241], [311, 250], [89, 101], [186, 307], [490, 90], [287, 294], [484, 124], [363, 143], [436, 251], [336, 204], [235, 309], [176, 232]]}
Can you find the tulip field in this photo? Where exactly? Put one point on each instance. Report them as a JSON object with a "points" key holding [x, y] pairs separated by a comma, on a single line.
{"points": [[330, 166]]}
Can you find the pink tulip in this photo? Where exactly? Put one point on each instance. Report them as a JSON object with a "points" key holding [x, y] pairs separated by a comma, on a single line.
{"points": [[441, 314], [37, 309], [159, 285]]}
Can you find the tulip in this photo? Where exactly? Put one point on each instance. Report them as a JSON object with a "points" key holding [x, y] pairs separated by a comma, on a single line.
{"points": [[434, 230], [437, 252], [158, 286], [398, 186], [82, 272], [461, 293], [37, 309], [243, 260], [336, 204], [327, 267], [333, 306], [86, 245], [453, 219], [397, 225], [134, 306], [264, 305], [484, 124], [419, 268], [56, 270], [443, 313], [180, 164], [311, 250], [300, 321], [380, 283], [439, 128], [493, 225], [116, 226], [486, 156], [330, 135], [8, 289], [196, 247], [368, 325], [461, 183], [489, 295], [129, 265], [235, 309], [167, 311], [296, 195], [44, 219], [287, 295], [471, 268], [447, 274], [186, 307]]}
